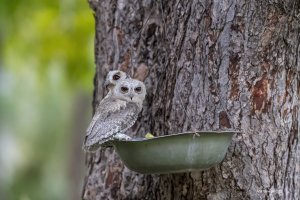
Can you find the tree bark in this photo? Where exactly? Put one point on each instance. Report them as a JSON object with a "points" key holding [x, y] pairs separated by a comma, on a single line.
{"points": [[213, 65]]}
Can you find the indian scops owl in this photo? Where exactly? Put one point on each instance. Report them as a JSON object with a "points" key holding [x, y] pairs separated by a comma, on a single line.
{"points": [[116, 113], [112, 78]]}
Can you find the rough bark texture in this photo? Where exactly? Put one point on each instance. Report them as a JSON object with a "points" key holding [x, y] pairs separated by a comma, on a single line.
{"points": [[213, 65]]}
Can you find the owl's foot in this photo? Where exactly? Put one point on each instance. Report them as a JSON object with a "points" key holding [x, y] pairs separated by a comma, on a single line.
{"points": [[122, 136]]}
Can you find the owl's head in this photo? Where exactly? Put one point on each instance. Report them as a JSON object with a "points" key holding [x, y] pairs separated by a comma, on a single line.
{"points": [[113, 77], [130, 90]]}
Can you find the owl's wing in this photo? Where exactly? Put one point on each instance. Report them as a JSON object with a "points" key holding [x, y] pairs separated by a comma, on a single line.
{"points": [[110, 120], [103, 104]]}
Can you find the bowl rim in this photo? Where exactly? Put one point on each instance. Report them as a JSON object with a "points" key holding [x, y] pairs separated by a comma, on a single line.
{"points": [[177, 134]]}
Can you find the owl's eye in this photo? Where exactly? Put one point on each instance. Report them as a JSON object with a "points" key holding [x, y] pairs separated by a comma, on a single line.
{"points": [[116, 77], [124, 89], [138, 89]]}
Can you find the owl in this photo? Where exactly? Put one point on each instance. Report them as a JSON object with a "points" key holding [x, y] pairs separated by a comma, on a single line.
{"points": [[113, 77], [116, 113]]}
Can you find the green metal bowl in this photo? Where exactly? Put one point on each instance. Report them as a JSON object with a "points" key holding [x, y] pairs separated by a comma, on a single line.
{"points": [[181, 152]]}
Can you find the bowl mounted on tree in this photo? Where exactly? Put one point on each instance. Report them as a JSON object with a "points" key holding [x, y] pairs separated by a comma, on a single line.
{"points": [[181, 152]]}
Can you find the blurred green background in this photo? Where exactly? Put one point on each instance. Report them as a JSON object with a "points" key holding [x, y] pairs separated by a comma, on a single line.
{"points": [[46, 83]]}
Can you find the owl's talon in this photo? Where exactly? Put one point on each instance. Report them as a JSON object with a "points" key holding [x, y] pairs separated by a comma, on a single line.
{"points": [[122, 136]]}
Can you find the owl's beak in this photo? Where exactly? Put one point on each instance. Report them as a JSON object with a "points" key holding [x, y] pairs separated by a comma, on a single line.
{"points": [[131, 96]]}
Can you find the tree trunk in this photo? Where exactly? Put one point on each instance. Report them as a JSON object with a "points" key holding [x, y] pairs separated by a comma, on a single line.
{"points": [[213, 65]]}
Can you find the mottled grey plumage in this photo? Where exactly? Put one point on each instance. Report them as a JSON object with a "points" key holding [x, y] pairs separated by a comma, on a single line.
{"points": [[116, 113]]}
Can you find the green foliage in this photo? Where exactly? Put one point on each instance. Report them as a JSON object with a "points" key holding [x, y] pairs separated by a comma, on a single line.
{"points": [[43, 33], [46, 58]]}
